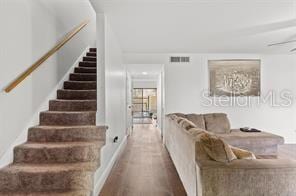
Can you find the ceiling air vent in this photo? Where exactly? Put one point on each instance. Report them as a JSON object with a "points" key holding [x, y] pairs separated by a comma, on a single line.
{"points": [[180, 59]]}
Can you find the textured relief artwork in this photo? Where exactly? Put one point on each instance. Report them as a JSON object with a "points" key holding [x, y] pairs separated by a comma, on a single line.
{"points": [[234, 77]]}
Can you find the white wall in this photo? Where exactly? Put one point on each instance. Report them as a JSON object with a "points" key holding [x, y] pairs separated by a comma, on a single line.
{"points": [[160, 100], [115, 104], [129, 103], [145, 83], [29, 29], [115, 91], [15, 55], [100, 42], [184, 84]]}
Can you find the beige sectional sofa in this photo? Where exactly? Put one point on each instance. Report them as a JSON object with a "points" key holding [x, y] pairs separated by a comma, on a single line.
{"points": [[203, 176]]}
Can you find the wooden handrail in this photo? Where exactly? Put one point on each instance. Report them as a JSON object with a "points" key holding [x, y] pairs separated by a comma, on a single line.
{"points": [[33, 67]]}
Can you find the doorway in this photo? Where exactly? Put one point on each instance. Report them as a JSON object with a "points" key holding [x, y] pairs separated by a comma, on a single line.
{"points": [[145, 95], [144, 105]]}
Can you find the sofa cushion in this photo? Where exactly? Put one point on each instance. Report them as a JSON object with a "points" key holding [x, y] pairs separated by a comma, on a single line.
{"points": [[260, 143], [197, 119], [173, 116], [242, 154], [179, 119], [217, 123], [196, 131], [239, 138], [187, 124], [179, 115], [216, 148]]}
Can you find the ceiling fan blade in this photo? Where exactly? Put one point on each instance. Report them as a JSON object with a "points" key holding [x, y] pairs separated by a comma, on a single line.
{"points": [[293, 50], [281, 43]]}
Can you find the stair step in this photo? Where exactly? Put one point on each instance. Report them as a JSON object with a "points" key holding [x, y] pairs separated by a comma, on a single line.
{"points": [[93, 49], [47, 177], [76, 94], [73, 105], [87, 64], [85, 70], [93, 54], [62, 154], [58, 152], [60, 193], [83, 77], [92, 59], [67, 134], [80, 85], [67, 118]]}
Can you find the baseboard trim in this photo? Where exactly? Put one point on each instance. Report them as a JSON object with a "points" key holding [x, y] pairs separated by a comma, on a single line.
{"points": [[101, 181], [7, 157]]}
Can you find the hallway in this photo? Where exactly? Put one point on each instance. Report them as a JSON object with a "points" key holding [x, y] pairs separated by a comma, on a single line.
{"points": [[144, 169]]}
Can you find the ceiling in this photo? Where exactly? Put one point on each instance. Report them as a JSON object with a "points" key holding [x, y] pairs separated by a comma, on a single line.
{"points": [[146, 72], [201, 26]]}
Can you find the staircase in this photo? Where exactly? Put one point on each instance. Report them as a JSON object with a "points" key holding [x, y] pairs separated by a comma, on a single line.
{"points": [[63, 151]]}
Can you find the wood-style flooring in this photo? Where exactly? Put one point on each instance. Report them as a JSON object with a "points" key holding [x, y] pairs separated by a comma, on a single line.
{"points": [[144, 169]]}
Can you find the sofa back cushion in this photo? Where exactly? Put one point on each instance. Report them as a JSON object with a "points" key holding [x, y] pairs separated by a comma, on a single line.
{"points": [[179, 119], [216, 148], [179, 115], [197, 119], [187, 124], [196, 131], [217, 123], [200, 153], [172, 116]]}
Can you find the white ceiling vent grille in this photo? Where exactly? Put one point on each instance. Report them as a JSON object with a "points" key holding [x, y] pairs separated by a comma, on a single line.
{"points": [[180, 59]]}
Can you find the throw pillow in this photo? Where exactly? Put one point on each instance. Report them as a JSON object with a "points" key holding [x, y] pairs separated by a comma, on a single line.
{"points": [[179, 119], [187, 124], [242, 154], [197, 119], [196, 131], [216, 148], [180, 115], [173, 116]]}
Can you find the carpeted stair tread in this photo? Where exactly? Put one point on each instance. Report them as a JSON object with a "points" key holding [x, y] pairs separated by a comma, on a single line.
{"points": [[58, 152], [69, 94], [61, 193], [59, 144], [62, 153], [85, 70], [60, 127], [67, 133], [83, 77], [60, 118], [80, 85], [93, 49], [47, 177], [92, 59], [73, 105], [92, 54], [49, 168], [87, 64]]}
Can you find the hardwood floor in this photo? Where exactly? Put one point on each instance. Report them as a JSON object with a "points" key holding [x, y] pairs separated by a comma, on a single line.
{"points": [[144, 169]]}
